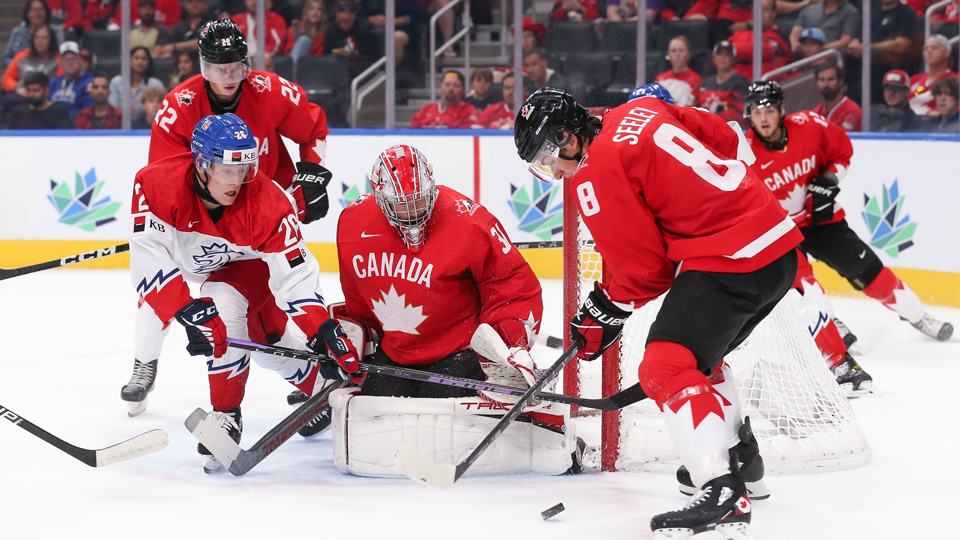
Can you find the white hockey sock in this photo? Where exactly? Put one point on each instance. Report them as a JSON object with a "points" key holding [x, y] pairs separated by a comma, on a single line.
{"points": [[697, 422]]}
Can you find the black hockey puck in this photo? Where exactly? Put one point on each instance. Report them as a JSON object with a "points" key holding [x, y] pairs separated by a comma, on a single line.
{"points": [[552, 511]]}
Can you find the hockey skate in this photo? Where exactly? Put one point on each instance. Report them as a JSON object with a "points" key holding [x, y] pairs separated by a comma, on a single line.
{"points": [[853, 380], [751, 466], [584, 457], [940, 330], [230, 421], [317, 424], [721, 505], [140, 384], [849, 338]]}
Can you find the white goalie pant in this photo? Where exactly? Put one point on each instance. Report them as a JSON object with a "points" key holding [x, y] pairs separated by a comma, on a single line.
{"points": [[369, 430]]}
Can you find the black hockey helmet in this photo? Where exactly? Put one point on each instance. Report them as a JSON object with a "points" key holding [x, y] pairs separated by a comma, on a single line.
{"points": [[546, 122], [763, 93], [222, 42]]}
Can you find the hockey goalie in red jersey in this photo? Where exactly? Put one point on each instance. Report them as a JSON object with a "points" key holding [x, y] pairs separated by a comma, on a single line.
{"points": [[194, 215], [271, 107], [802, 158], [671, 205], [423, 267]]}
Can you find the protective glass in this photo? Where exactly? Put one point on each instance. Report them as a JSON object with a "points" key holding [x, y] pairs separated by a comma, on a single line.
{"points": [[238, 167], [225, 73]]}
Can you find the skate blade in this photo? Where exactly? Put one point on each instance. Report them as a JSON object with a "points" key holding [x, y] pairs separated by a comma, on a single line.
{"points": [[211, 465], [135, 408], [757, 491], [672, 534], [866, 388]]}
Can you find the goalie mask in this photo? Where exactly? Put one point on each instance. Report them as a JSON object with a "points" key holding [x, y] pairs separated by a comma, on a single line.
{"points": [[547, 121], [403, 185]]}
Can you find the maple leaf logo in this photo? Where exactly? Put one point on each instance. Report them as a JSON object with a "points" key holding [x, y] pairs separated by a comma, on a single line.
{"points": [[793, 203], [466, 207], [260, 83], [396, 315], [185, 97], [799, 118]]}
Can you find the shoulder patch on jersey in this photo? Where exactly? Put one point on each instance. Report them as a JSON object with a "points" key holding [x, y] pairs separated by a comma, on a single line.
{"points": [[465, 206], [261, 83], [798, 118], [360, 199], [186, 97]]}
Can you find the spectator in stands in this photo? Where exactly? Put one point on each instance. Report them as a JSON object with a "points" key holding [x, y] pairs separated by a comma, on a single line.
{"points": [[408, 13], [101, 115], [812, 41], [183, 36], [836, 107], [276, 28], [946, 92], [896, 34], [146, 33], [574, 10], [68, 14], [672, 9], [352, 38], [895, 115], [141, 77], [41, 55], [537, 72], [724, 93], [626, 10], [451, 111], [775, 44], [188, 65], [481, 80], [943, 18], [105, 14], [306, 34], [39, 112], [87, 59], [445, 22], [682, 82], [936, 53], [726, 17], [500, 115], [35, 14], [71, 88], [150, 100], [838, 20], [533, 34]]}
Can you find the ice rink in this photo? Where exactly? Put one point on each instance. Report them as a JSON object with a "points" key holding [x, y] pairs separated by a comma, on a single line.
{"points": [[67, 350]]}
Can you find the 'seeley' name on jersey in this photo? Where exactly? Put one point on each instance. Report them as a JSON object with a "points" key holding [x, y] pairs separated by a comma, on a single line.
{"points": [[791, 172], [416, 273], [632, 124]]}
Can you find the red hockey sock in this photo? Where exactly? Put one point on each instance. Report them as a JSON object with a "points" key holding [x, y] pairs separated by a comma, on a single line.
{"points": [[668, 368], [882, 287], [226, 392]]}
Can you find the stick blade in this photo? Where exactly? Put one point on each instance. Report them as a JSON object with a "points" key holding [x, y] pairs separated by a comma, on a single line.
{"points": [[207, 430], [141, 445], [418, 467]]}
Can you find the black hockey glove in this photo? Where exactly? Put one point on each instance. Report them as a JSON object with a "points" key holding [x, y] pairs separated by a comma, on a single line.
{"points": [[206, 334], [311, 180], [331, 339], [598, 324], [822, 192]]}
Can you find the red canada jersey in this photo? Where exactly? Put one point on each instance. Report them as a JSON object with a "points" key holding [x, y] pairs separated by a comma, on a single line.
{"points": [[427, 305], [174, 239], [845, 114], [921, 99], [775, 51], [496, 116], [662, 191], [461, 115], [270, 105], [275, 27], [683, 87], [815, 146]]}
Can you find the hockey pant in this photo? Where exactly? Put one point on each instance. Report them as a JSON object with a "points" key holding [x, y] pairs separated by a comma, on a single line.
{"points": [[841, 249], [704, 316], [817, 314]]}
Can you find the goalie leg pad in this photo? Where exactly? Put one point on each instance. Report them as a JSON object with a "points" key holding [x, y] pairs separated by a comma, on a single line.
{"points": [[369, 430]]}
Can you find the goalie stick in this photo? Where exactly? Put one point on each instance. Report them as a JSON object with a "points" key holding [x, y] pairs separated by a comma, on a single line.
{"points": [[141, 445], [239, 461], [419, 467], [7, 273], [625, 397]]}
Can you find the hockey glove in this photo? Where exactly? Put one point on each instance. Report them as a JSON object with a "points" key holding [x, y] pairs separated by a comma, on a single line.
{"points": [[822, 192], [598, 324], [311, 181], [205, 331], [330, 337]]}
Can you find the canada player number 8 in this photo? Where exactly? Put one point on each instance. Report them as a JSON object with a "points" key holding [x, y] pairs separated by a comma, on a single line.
{"points": [[699, 158]]}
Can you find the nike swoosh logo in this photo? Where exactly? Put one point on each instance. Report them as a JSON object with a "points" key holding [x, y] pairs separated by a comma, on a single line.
{"points": [[365, 235], [863, 254], [767, 164], [192, 223]]}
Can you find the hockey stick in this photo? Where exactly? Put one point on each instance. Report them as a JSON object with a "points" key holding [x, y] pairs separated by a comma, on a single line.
{"points": [[615, 402], [7, 273], [141, 445], [239, 461], [419, 467]]}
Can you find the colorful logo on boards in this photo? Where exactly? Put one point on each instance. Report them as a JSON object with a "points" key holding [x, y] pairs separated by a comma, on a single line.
{"points": [[349, 193], [539, 209], [82, 206], [890, 227]]}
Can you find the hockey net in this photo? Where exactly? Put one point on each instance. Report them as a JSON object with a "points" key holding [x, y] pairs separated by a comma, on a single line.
{"points": [[800, 417]]}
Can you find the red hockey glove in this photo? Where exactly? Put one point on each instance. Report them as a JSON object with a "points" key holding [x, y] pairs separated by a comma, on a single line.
{"points": [[310, 184], [205, 331], [598, 324], [330, 337], [821, 192]]}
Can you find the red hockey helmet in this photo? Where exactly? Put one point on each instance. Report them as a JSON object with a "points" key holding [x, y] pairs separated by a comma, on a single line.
{"points": [[402, 181]]}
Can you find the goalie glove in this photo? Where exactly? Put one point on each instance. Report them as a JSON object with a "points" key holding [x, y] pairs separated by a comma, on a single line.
{"points": [[309, 188], [821, 193], [330, 337], [206, 334], [598, 324]]}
